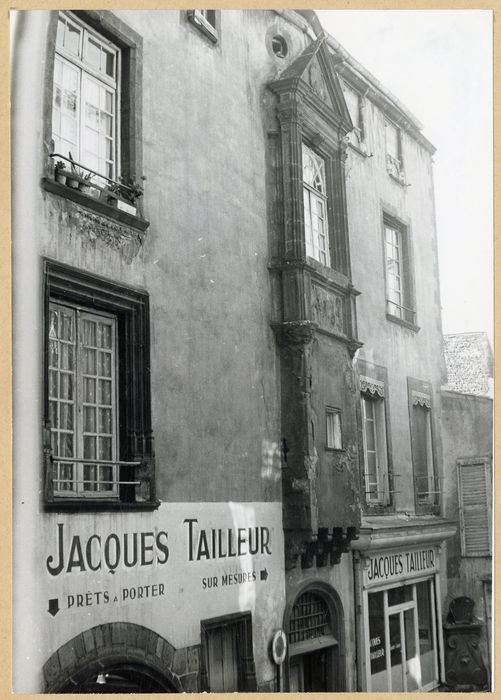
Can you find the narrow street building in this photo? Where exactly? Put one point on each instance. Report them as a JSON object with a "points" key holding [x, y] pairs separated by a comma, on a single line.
{"points": [[228, 459]]}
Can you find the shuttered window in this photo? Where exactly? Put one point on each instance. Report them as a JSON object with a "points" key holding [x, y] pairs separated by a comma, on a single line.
{"points": [[228, 658], [474, 508]]}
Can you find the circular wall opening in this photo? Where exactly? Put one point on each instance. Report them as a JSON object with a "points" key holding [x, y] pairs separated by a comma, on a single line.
{"points": [[279, 46]]}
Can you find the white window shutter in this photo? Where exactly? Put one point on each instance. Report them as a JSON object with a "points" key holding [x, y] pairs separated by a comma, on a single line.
{"points": [[474, 509]]}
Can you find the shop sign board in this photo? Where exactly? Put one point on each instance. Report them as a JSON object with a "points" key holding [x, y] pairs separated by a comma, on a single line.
{"points": [[384, 567], [166, 570]]}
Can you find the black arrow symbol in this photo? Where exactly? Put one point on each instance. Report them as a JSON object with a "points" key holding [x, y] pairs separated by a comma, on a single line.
{"points": [[53, 606], [263, 574]]}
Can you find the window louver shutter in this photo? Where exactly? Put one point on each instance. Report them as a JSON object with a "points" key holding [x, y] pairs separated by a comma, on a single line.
{"points": [[474, 507]]}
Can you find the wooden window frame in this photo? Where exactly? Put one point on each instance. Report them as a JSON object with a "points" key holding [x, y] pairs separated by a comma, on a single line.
{"points": [[465, 464], [85, 70], [407, 314], [208, 25], [420, 394], [394, 164], [80, 315], [357, 137], [378, 419], [331, 411], [131, 309], [246, 665], [129, 163], [373, 385], [314, 196]]}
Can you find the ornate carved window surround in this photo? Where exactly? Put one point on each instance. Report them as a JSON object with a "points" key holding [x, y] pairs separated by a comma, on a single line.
{"points": [[130, 307], [311, 109]]}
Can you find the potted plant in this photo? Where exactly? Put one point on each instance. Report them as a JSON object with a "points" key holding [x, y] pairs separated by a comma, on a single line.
{"points": [[124, 194], [84, 182], [60, 173]]}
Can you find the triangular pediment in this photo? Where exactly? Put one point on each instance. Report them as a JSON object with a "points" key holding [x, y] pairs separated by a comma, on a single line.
{"points": [[314, 69]]}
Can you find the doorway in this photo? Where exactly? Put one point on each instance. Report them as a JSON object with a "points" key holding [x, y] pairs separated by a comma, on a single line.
{"points": [[401, 638], [309, 673], [314, 643]]}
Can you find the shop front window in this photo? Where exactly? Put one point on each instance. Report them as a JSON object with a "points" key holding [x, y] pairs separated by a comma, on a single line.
{"points": [[402, 631]]}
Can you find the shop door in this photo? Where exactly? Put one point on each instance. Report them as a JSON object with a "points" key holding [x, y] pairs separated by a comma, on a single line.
{"points": [[311, 672], [405, 664]]}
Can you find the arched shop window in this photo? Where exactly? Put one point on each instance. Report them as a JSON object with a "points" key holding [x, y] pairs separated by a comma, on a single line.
{"points": [[313, 645], [310, 618]]}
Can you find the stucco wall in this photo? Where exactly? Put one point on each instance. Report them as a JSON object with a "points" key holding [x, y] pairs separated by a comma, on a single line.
{"points": [[204, 257], [203, 262], [404, 352], [467, 433]]}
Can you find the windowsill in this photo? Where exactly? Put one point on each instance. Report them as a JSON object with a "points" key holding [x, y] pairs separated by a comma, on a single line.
{"points": [[399, 180], [401, 322], [361, 151], [378, 509], [95, 205], [334, 449], [199, 21], [427, 510], [327, 273], [79, 504]]}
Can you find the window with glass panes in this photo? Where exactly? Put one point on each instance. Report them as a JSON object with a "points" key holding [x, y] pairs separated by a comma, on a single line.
{"points": [[85, 97], [315, 206], [401, 638], [394, 163], [394, 272], [375, 450], [333, 421], [354, 103], [83, 401]]}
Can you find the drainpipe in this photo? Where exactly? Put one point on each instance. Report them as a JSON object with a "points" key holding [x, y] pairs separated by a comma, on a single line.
{"points": [[313, 21], [359, 620]]}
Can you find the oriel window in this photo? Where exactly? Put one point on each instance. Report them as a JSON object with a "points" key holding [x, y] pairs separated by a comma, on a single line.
{"points": [[315, 206]]}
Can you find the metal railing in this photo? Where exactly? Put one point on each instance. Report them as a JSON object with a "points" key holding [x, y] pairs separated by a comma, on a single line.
{"points": [[400, 311], [115, 189], [96, 483]]}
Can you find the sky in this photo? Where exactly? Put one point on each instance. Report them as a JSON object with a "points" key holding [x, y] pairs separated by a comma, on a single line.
{"points": [[438, 63]]}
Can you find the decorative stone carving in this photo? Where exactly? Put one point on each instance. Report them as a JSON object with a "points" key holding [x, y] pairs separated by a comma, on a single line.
{"points": [[420, 399], [316, 80], [126, 240], [294, 333], [371, 386], [328, 310]]}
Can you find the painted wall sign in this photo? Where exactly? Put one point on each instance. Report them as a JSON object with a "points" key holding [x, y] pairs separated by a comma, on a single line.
{"points": [[165, 570], [97, 551], [384, 567]]}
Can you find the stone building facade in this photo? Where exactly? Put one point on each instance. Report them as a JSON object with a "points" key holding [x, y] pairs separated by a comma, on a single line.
{"points": [[228, 468]]}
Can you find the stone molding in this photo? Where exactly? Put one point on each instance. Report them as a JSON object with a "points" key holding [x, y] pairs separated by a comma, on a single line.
{"points": [[294, 333], [118, 236], [328, 309], [116, 643]]}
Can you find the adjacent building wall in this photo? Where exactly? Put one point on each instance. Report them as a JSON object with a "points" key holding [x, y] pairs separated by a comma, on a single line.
{"points": [[467, 424]]}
